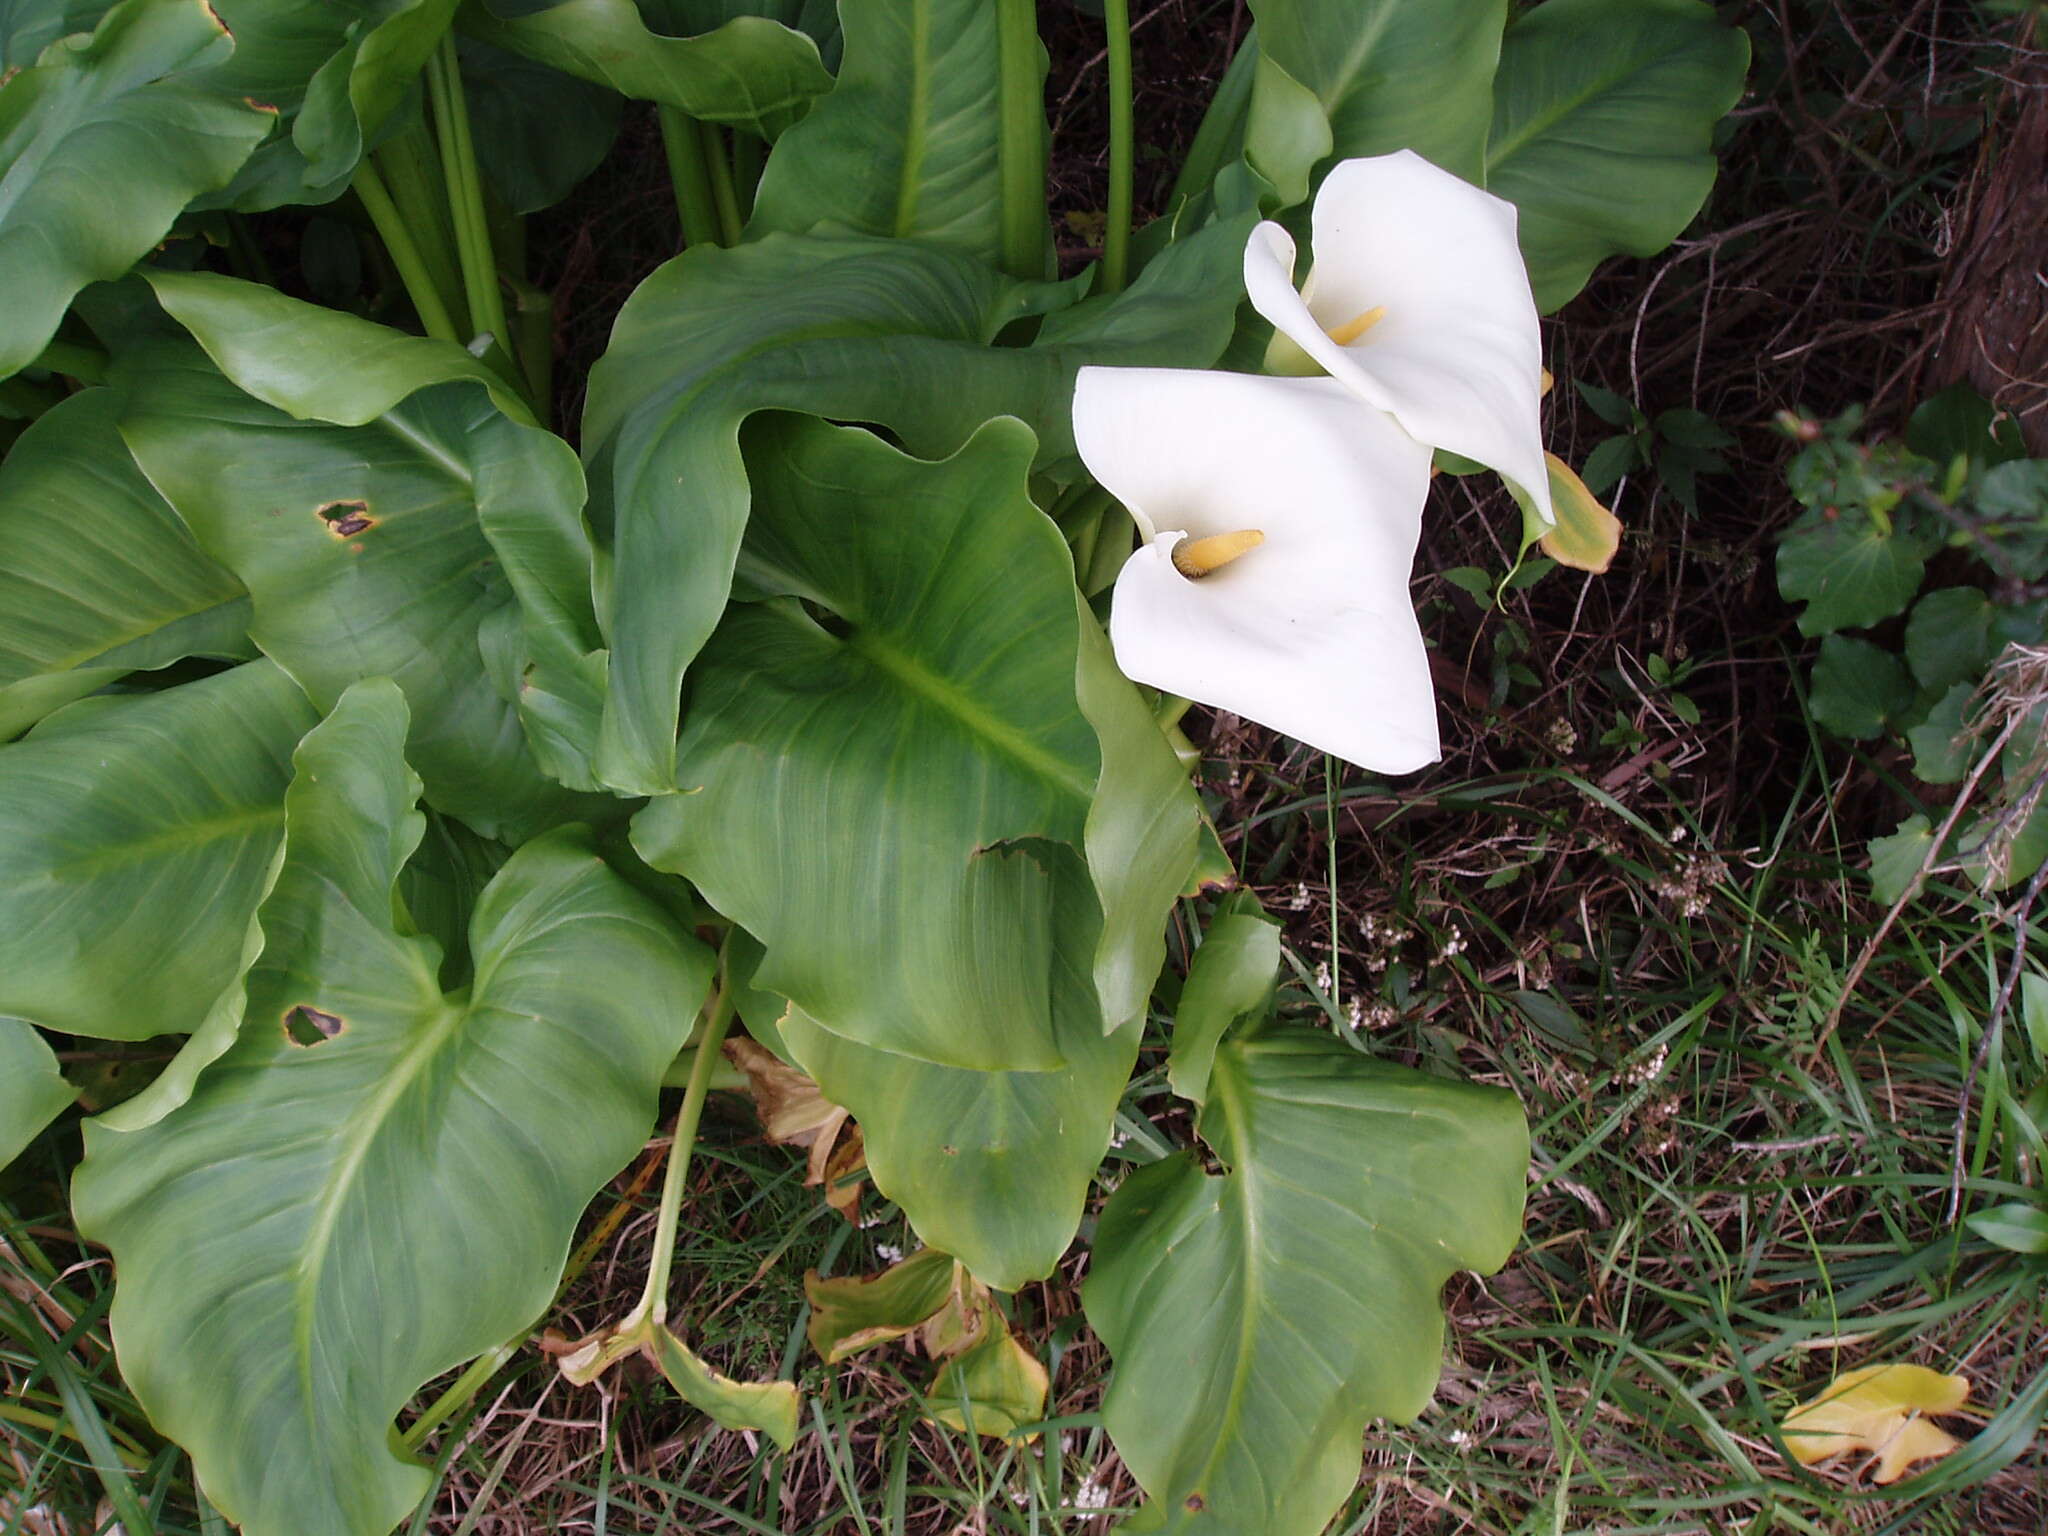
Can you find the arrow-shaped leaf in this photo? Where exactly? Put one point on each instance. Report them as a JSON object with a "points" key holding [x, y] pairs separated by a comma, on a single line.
{"points": [[364, 556], [851, 328], [906, 144], [1603, 126], [1261, 1316], [934, 725], [391, 1176], [526, 487]]}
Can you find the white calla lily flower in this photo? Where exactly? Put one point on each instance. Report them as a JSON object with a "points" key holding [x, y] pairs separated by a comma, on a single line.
{"points": [[1280, 523], [1417, 302]]}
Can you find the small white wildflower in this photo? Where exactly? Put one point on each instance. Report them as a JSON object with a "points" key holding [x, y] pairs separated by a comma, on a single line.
{"points": [[1460, 1438], [1091, 1494], [1322, 976], [1647, 1069], [1354, 1012], [888, 1253], [1118, 1138], [1300, 899], [1454, 943]]}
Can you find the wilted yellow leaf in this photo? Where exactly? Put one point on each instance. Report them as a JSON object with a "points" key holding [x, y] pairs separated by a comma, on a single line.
{"points": [[1587, 534], [1001, 1382], [850, 1313], [1876, 1408], [931, 1298], [795, 1113]]}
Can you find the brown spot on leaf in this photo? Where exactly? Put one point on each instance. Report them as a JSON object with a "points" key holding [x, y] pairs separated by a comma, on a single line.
{"points": [[307, 1025], [1195, 1504], [346, 519]]}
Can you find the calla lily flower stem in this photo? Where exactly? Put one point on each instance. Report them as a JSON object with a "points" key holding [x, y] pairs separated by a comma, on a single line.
{"points": [[74, 360], [689, 174], [653, 1305], [410, 167], [1116, 235], [465, 195], [723, 197], [405, 255], [1021, 139], [652, 1310]]}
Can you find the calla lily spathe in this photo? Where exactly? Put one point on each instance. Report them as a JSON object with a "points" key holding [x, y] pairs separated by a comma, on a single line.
{"points": [[1308, 627], [1418, 303]]}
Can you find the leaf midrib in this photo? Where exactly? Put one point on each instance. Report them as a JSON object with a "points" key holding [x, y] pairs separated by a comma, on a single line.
{"points": [[916, 131], [1542, 123], [170, 840], [1231, 1101], [363, 1128], [961, 707]]}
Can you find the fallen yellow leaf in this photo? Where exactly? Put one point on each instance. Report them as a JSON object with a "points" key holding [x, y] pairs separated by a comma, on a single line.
{"points": [[1877, 1408]]}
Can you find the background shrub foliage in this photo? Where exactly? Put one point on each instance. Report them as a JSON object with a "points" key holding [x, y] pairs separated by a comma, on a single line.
{"points": [[435, 731]]}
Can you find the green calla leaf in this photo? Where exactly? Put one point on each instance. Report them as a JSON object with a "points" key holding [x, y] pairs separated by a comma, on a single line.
{"points": [[1603, 123], [313, 362], [27, 27], [101, 578], [1261, 1316], [426, 1155], [1368, 78], [135, 837], [323, 365], [538, 131], [937, 729], [847, 327], [994, 1167], [906, 144], [1230, 979], [102, 144], [32, 1087], [750, 72], [1859, 688], [364, 556]]}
